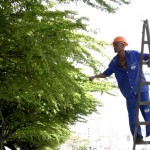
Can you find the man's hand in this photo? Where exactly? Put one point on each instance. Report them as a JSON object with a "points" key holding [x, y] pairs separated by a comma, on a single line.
{"points": [[91, 78], [101, 75]]}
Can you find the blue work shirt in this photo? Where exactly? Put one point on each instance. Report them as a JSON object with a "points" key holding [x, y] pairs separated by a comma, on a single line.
{"points": [[128, 79]]}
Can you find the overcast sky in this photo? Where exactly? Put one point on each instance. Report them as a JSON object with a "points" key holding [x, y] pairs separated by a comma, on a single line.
{"points": [[127, 21]]}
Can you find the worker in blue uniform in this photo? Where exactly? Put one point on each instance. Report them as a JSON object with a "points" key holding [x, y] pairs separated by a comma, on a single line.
{"points": [[126, 66]]}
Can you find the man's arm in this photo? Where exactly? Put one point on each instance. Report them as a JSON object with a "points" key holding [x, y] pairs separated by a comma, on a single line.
{"points": [[101, 75]]}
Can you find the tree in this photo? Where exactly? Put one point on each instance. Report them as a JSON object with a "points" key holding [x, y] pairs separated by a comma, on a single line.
{"points": [[109, 6], [41, 87], [41, 135]]}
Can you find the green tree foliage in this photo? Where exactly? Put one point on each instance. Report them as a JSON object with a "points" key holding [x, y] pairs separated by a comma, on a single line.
{"points": [[105, 5], [40, 136], [42, 89]]}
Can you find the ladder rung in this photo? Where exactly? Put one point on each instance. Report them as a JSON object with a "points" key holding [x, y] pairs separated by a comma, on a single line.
{"points": [[145, 62], [144, 123], [146, 83], [145, 103], [145, 42], [144, 142]]}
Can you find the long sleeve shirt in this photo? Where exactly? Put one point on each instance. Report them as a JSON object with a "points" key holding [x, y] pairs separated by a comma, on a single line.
{"points": [[128, 79]]}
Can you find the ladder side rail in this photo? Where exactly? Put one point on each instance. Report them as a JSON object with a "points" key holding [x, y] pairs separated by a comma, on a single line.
{"points": [[139, 89], [148, 40]]}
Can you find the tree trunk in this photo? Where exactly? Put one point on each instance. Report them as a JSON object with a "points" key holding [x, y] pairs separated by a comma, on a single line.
{"points": [[10, 145], [1, 140], [2, 126]]}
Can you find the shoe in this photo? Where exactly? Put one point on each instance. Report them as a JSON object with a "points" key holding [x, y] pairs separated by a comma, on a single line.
{"points": [[139, 140]]}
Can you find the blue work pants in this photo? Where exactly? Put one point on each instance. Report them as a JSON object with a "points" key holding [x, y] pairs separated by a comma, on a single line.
{"points": [[145, 111]]}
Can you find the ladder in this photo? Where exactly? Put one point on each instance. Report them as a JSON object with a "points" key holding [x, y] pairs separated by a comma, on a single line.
{"points": [[145, 41]]}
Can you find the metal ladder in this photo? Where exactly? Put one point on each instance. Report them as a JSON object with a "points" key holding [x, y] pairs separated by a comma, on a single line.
{"points": [[139, 102]]}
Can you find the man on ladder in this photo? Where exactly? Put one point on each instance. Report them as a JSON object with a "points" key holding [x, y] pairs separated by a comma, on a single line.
{"points": [[126, 66]]}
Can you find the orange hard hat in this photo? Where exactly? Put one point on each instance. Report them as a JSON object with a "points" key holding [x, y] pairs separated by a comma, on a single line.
{"points": [[120, 39]]}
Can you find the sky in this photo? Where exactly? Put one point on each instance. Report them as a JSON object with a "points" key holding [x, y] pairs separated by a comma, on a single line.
{"points": [[128, 22]]}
